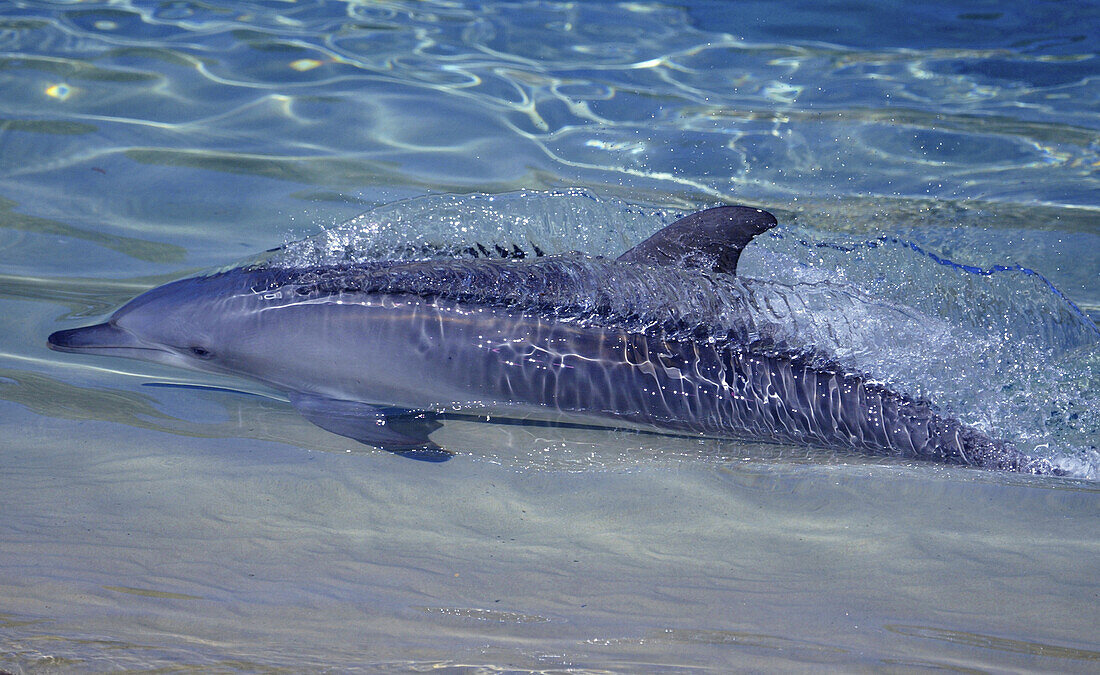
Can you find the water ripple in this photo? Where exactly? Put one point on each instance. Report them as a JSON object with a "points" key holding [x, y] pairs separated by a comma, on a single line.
{"points": [[627, 93]]}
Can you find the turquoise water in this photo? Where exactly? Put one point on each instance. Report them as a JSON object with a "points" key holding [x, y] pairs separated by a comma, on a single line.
{"points": [[152, 518]]}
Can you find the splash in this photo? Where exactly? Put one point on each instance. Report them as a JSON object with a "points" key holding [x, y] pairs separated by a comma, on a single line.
{"points": [[446, 226], [1003, 349]]}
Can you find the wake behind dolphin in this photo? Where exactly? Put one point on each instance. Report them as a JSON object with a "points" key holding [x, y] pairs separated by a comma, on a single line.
{"points": [[664, 337]]}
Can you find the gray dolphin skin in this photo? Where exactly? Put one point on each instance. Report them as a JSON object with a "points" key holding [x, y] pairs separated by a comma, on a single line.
{"points": [[664, 338]]}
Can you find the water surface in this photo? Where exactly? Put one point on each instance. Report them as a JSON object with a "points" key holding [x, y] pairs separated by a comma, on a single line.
{"points": [[146, 526]]}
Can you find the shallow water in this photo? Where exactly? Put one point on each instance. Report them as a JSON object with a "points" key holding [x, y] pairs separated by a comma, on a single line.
{"points": [[208, 525]]}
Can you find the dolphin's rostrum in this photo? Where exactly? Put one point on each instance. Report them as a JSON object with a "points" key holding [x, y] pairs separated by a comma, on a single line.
{"points": [[665, 337]]}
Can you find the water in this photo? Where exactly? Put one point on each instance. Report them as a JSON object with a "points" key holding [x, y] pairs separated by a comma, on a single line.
{"points": [[208, 525]]}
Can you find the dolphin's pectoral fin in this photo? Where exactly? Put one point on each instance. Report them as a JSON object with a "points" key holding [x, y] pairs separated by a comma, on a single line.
{"points": [[710, 240], [402, 432]]}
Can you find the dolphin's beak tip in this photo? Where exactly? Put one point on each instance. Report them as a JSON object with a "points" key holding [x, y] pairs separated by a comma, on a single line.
{"points": [[80, 339], [62, 340]]}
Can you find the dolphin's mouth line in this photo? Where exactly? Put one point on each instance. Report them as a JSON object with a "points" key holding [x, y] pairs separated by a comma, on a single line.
{"points": [[103, 349]]}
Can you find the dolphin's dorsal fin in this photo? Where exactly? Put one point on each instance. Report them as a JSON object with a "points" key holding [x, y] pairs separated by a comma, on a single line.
{"points": [[710, 240]]}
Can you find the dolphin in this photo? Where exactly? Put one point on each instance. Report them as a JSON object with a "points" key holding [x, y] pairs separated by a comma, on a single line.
{"points": [[666, 338]]}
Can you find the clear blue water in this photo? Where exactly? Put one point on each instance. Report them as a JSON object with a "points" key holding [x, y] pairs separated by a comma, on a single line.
{"points": [[207, 525]]}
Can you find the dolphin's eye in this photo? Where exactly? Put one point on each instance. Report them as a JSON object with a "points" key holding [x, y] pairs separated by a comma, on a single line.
{"points": [[200, 352]]}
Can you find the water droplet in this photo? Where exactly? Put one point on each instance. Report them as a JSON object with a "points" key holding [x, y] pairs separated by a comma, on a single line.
{"points": [[59, 91], [302, 65]]}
